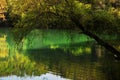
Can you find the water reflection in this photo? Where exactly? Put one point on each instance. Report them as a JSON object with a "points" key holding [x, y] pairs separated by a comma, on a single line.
{"points": [[62, 63], [3, 46], [66, 60], [86, 66]]}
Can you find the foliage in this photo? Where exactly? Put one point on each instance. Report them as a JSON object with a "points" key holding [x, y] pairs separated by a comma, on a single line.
{"points": [[19, 64], [64, 14], [47, 14]]}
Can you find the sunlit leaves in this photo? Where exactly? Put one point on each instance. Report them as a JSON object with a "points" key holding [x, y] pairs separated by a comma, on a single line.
{"points": [[114, 11], [82, 5], [81, 51]]}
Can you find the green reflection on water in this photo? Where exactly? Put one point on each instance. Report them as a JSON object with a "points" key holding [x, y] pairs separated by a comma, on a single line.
{"points": [[60, 62], [67, 55], [19, 64], [68, 65]]}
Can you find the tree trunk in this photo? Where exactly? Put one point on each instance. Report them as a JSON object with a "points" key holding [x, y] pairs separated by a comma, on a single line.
{"points": [[98, 39], [104, 44]]}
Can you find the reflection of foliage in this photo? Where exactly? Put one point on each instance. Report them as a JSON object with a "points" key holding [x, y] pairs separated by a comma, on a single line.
{"points": [[19, 64], [78, 49], [81, 51], [76, 67], [60, 63], [77, 71], [68, 65], [111, 68]]}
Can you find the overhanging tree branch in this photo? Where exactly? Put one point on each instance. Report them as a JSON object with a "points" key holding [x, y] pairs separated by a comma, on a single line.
{"points": [[99, 40], [74, 18], [90, 34]]}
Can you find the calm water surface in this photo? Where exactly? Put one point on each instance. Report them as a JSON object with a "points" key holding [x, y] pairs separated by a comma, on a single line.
{"points": [[45, 58]]}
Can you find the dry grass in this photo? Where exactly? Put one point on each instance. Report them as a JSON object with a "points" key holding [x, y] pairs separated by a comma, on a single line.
{"points": [[2, 8], [3, 3]]}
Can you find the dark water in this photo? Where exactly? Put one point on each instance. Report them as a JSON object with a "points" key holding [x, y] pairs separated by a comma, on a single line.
{"points": [[71, 61], [81, 67], [62, 63]]}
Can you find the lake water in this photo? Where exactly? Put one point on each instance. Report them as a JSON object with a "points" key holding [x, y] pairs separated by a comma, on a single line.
{"points": [[55, 55]]}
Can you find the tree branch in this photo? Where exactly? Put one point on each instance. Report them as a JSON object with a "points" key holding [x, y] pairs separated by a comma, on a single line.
{"points": [[99, 40]]}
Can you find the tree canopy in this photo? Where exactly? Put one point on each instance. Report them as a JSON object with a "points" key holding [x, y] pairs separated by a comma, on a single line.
{"points": [[57, 14]]}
